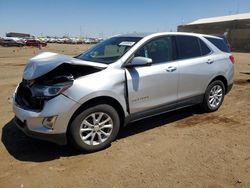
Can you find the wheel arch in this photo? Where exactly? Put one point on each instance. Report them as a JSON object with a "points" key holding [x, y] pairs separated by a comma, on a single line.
{"points": [[221, 78], [96, 101]]}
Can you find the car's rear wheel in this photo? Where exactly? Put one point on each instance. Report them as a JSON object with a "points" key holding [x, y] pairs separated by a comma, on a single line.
{"points": [[95, 128], [214, 96]]}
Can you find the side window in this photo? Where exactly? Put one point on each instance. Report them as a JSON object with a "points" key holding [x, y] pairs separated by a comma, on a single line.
{"points": [[188, 47], [159, 50], [219, 43], [204, 48]]}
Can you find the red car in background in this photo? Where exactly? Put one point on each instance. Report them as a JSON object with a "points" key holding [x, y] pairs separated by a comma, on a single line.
{"points": [[34, 42]]}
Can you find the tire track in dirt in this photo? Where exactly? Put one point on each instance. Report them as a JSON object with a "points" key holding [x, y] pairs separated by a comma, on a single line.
{"points": [[200, 119], [241, 82], [14, 64]]}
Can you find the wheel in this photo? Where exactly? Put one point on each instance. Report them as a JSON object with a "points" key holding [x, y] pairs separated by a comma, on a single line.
{"points": [[214, 96], [95, 128]]}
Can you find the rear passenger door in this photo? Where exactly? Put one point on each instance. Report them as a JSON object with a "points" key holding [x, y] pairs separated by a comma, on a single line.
{"points": [[194, 66]]}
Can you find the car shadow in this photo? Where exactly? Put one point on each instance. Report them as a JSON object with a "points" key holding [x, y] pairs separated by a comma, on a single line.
{"points": [[158, 121], [24, 148]]}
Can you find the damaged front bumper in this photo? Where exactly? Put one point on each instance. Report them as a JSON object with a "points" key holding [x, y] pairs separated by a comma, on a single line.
{"points": [[32, 122], [60, 138], [41, 108]]}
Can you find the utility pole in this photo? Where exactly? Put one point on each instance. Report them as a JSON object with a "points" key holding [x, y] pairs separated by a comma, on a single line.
{"points": [[238, 6], [80, 32]]}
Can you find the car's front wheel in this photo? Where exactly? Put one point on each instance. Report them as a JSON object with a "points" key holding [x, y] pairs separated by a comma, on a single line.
{"points": [[95, 128], [214, 96]]}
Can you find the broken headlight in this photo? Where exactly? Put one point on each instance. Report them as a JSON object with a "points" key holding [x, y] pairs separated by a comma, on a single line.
{"points": [[49, 91]]}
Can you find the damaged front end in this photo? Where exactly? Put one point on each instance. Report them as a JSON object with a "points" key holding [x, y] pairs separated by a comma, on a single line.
{"points": [[32, 93]]}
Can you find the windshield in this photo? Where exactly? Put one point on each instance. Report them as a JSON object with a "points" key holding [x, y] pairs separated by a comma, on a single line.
{"points": [[109, 50]]}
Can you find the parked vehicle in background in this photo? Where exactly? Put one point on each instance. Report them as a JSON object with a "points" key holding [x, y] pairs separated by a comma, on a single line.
{"points": [[35, 42], [60, 40], [51, 40], [122, 79], [43, 39], [70, 40], [90, 41], [9, 41]]}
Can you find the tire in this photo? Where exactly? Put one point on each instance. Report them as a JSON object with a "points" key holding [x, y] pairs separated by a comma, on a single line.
{"points": [[92, 137], [213, 101]]}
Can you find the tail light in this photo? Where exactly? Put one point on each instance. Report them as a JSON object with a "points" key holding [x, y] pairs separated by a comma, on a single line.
{"points": [[232, 59]]}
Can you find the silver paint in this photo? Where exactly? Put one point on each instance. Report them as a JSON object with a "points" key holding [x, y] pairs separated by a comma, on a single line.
{"points": [[148, 87]]}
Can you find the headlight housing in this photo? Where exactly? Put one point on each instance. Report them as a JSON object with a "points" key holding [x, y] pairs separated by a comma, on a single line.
{"points": [[49, 91]]}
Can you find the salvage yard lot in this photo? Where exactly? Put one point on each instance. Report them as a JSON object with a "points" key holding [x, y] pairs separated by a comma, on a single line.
{"points": [[185, 148]]}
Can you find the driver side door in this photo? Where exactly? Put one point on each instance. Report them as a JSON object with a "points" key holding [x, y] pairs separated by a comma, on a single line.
{"points": [[154, 86]]}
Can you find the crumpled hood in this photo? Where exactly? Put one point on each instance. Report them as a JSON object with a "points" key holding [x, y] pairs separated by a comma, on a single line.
{"points": [[48, 61]]}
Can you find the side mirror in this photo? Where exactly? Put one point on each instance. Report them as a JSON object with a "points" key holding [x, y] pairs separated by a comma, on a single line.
{"points": [[140, 61]]}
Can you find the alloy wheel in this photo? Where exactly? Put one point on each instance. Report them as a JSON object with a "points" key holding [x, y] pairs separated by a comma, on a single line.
{"points": [[96, 128], [215, 96]]}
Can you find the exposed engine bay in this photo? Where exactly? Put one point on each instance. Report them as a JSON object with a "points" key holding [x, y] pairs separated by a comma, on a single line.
{"points": [[64, 73], [31, 94]]}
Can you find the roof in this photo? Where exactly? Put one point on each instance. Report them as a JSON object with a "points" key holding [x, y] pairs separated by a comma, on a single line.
{"points": [[140, 35], [155, 34], [243, 16]]}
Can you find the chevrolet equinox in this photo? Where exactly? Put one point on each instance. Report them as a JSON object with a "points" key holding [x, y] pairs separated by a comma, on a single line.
{"points": [[87, 98]]}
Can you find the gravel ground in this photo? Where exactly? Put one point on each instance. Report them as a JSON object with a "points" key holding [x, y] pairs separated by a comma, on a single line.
{"points": [[185, 148]]}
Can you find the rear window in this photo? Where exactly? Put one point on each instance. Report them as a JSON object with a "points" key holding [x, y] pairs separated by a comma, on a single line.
{"points": [[219, 43], [188, 47]]}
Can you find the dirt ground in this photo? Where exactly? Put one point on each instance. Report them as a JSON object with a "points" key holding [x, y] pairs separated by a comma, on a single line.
{"points": [[185, 148]]}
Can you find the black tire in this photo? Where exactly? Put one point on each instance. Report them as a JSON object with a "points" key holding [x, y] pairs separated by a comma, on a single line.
{"points": [[206, 106], [76, 125]]}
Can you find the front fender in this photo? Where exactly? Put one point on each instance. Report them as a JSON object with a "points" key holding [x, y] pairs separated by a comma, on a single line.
{"points": [[119, 99], [107, 83]]}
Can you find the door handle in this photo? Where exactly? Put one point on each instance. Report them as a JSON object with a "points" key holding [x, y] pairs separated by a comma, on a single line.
{"points": [[210, 61], [171, 69]]}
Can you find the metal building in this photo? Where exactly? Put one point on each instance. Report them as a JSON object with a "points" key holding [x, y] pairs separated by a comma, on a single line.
{"points": [[236, 28]]}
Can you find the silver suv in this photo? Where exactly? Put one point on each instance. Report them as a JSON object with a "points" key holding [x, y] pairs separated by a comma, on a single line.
{"points": [[86, 99]]}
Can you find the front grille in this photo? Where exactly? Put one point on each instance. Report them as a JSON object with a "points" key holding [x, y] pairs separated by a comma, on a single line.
{"points": [[25, 99]]}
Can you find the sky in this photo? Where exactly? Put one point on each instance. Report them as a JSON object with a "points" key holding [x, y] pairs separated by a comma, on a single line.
{"points": [[96, 18]]}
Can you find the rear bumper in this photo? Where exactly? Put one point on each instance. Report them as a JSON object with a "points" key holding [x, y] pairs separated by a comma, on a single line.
{"points": [[60, 139]]}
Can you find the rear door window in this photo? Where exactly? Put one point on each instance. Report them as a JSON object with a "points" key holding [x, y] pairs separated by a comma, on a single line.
{"points": [[219, 43], [188, 47], [204, 48]]}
